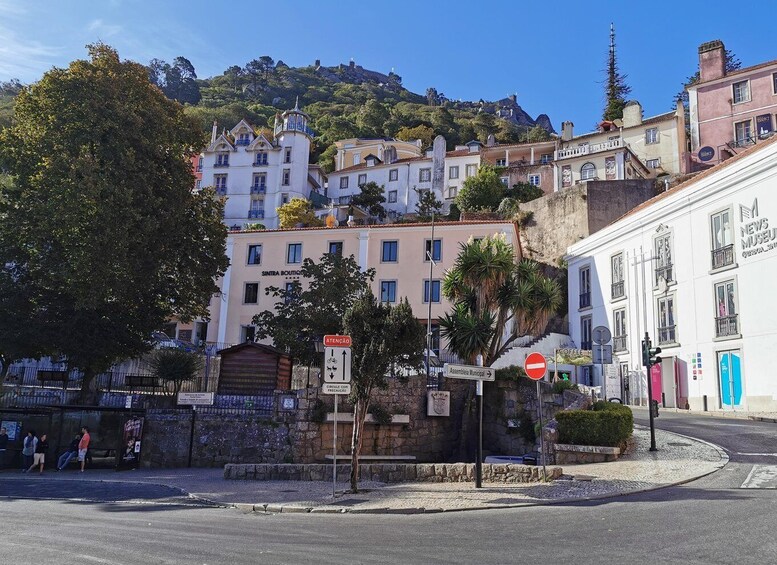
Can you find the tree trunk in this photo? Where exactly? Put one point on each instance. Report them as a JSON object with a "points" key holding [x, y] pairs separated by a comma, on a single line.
{"points": [[359, 415], [87, 394]]}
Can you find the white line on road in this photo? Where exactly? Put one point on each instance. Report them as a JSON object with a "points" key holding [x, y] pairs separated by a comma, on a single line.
{"points": [[761, 476], [758, 454]]}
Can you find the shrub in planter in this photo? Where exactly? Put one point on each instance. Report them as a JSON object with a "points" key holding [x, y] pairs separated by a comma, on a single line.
{"points": [[608, 424]]}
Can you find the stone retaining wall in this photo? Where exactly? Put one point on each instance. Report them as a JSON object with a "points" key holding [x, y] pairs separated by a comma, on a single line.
{"points": [[571, 454], [393, 473]]}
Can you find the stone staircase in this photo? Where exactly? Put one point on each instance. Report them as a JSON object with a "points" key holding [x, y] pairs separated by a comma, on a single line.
{"points": [[546, 344]]}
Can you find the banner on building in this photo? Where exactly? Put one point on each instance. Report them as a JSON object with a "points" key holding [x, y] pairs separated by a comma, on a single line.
{"points": [[569, 356]]}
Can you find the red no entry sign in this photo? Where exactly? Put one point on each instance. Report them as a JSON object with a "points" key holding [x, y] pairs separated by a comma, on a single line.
{"points": [[535, 366]]}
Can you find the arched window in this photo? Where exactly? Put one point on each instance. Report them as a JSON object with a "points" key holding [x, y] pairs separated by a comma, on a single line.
{"points": [[588, 171]]}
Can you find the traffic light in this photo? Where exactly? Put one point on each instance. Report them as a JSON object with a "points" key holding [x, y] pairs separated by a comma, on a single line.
{"points": [[650, 354]]}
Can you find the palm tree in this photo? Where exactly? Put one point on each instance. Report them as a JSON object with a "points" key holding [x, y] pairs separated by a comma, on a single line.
{"points": [[495, 299]]}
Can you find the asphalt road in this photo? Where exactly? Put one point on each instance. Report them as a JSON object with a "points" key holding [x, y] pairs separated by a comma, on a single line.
{"points": [[712, 520]]}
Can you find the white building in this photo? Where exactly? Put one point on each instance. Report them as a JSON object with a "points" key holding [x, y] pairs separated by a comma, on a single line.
{"points": [[692, 267], [257, 173]]}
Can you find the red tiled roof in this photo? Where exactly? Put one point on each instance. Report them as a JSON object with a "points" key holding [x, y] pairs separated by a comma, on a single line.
{"points": [[363, 165], [737, 72], [381, 226]]}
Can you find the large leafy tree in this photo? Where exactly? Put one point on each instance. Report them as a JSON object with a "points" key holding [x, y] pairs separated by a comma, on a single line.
{"points": [[178, 81], [428, 205], [314, 307], [298, 211], [495, 299], [482, 192], [371, 198], [382, 337], [101, 236]]}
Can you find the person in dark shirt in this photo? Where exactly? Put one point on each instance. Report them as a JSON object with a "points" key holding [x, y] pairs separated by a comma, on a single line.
{"points": [[40, 453], [71, 452], [3, 446]]}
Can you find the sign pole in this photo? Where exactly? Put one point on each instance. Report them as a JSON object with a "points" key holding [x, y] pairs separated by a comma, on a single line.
{"points": [[601, 368], [334, 452], [479, 460], [542, 442], [191, 434]]}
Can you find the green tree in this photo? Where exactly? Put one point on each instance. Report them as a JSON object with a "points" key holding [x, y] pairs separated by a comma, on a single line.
{"points": [[314, 307], [381, 337], [174, 367], [616, 89], [298, 211], [537, 134], [102, 239], [178, 81], [371, 198], [422, 132], [427, 204], [524, 192], [371, 118], [482, 192], [327, 158], [495, 300]]}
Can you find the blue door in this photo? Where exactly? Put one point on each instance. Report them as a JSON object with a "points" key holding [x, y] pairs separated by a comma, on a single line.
{"points": [[730, 378]]}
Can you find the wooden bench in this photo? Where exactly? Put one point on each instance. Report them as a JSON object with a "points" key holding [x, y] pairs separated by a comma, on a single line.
{"points": [[374, 457], [141, 381]]}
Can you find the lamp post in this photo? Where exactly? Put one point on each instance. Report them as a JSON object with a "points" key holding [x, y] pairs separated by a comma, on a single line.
{"points": [[318, 345], [430, 256]]}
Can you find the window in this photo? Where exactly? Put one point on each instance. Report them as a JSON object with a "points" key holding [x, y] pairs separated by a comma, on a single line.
{"points": [[726, 311], [722, 240], [616, 274], [585, 287], [220, 181], [294, 253], [651, 136], [534, 180], [259, 183], [389, 252], [286, 177], [336, 248], [663, 254], [620, 337], [774, 83], [453, 172], [546, 158], [393, 174], [653, 163], [251, 293], [243, 139], [470, 171], [199, 184], [585, 332], [199, 163], [501, 162], [222, 160], [343, 182], [424, 175], [667, 332], [392, 196], [452, 192], [743, 133], [741, 92], [435, 290], [285, 198], [588, 171], [247, 333], [362, 180], [287, 155], [388, 291], [261, 158], [504, 180], [290, 291], [254, 254], [344, 200], [357, 158], [434, 250]]}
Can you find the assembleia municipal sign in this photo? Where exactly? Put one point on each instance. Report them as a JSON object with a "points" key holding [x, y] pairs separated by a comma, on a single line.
{"points": [[756, 234]]}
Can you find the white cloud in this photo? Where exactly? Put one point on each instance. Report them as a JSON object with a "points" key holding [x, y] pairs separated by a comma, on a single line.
{"points": [[20, 56], [102, 29]]}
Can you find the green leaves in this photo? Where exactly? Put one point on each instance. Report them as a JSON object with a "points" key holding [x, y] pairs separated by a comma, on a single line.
{"points": [[483, 192]]}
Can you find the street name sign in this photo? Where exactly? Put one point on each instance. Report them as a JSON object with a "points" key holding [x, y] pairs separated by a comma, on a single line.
{"points": [[469, 372], [196, 398], [535, 366], [336, 388]]}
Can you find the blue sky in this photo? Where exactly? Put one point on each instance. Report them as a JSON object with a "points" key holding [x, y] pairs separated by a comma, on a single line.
{"points": [[553, 54]]}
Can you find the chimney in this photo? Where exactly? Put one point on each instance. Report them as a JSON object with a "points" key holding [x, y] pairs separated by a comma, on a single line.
{"points": [[214, 132], [490, 140], [712, 60], [632, 114], [566, 131]]}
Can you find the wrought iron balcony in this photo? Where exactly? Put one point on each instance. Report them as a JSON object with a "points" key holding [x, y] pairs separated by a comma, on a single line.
{"points": [[585, 299], [727, 326], [245, 141], [221, 190], [261, 162], [723, 256], [258, 189], [221, 165], [620, 342], [664, 273], [256, 214], [617, 289], [667, 334]]}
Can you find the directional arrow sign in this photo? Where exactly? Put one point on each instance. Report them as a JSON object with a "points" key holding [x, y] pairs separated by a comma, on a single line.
{"points": [[337, 365]]}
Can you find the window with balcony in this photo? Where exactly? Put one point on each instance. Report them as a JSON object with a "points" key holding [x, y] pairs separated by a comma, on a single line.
{"points": [[662, 252], [588, 171], [220, 182], [546, 158], [667, 329], [726, 310], [261, 159], [222, 160], [722, 240], [435, 290], [393, 174], [585, 332], [741, 91], [617, 288], [433, 250], [392, 196], [389, 252], [254, 254], [651, 136], [286, 178], [259, 183], [453, 172], [585, 287], [243, 139], [343, 182], [251, 293], [743, 133], [336, 248], [362, 180], [620, 336], [534, 180], [424, 175], [287, 155], [294, 253], [388, 291]]}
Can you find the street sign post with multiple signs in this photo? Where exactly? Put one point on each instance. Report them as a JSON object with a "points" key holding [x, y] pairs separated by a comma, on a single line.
{"points": [[336, 373]]}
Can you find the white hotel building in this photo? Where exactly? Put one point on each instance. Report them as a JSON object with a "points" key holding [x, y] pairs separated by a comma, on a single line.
{"points": [[694, 267]]}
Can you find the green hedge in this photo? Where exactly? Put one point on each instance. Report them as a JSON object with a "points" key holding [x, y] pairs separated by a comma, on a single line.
{"points": [[608, 424]]}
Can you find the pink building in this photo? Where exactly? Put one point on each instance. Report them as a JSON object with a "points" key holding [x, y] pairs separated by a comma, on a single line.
{"points": [[730, 111]]}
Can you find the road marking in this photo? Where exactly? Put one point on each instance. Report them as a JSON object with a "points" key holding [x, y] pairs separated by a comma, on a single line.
{"points": [[761, 476], [758, 454]]}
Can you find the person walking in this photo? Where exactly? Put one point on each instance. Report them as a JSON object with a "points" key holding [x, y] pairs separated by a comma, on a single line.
{"points": [[3, 446], [83, 446], [72, 451], [40, 453], [28, 450]]}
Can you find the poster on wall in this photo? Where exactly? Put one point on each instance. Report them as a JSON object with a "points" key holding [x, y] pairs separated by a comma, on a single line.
{"points": [[609, 168], [129, 455], [12, 429], [566, 176], [763, 125]]}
